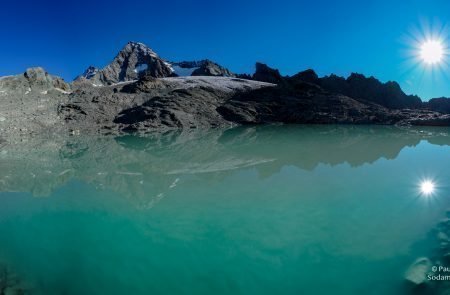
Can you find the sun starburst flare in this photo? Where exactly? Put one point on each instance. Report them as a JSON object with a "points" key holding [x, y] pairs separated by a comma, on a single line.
{"points": [[432, 51], [427, 187]]}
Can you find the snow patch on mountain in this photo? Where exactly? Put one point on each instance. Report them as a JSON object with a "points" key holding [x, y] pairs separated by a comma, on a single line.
{"points": [[226, 84], [183, 72], [141, 68]]}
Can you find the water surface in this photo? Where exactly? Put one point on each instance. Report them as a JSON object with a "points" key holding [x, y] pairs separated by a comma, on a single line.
{"points": [[256, 210]]}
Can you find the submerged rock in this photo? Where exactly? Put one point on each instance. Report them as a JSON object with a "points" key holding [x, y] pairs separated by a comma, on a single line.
{"points": [[417, 272], [10, 283]]}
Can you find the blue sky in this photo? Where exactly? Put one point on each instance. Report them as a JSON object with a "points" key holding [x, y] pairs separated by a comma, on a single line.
{"points": [[341, 37]]}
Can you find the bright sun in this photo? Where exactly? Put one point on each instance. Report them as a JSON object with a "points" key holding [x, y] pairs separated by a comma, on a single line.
{"points": [[432, 51], [427, 187]]}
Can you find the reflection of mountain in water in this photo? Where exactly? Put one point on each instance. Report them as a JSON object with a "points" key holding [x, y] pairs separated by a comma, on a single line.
{"points": [[144, 168]]}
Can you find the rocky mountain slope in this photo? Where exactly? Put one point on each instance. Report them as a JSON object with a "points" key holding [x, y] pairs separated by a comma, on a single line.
{"points": [[139, 91], [136, 60], [133, 61], [357, 86], [28, 102], [440, 104]]}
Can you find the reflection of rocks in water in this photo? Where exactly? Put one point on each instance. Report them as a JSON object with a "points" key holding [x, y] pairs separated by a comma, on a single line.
{"points": [[10, 284], [73, 150], [307, 146], [144, 168]]}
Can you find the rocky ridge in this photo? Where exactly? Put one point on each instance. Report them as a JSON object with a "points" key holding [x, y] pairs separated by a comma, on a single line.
{"points": [[139, 92], [200, 68]]}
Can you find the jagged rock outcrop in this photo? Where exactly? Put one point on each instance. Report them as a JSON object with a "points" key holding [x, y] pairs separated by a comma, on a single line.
{"points": [[264, 73], [244, 76], [38, 78], [308, 76], [33, 80], [441, 104], [356, 86], [89, 73], [132, 62], [306, 103], [209, 68], [200, 68], [359, 87], [28, 102]]}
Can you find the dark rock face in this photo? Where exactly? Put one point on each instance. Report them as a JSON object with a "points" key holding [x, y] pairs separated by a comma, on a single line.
{"points": [[146, 84], [184, 103], [309, 104], [308, 76], [244, 76], [441, 104], [359, 87], [209, 68], [132, 62], [356, 86], [179, 108], [264, 73]]}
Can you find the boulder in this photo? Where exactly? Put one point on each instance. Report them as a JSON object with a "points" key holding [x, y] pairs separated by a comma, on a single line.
{"points": [[59, 83], [38, 78], [417, 272]]}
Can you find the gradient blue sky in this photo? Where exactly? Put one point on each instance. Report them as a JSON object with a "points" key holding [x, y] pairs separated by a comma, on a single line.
{"points": [[369, 37]]}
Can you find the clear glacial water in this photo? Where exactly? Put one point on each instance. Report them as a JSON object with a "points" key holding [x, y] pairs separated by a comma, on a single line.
{"points": [[258, 210]]}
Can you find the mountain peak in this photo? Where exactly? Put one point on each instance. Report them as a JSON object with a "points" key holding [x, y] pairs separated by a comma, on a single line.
{"points": [[132, 62], [140, 47]]}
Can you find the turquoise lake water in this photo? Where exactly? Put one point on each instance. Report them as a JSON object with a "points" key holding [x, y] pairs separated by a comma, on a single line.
{"points": [[255, 210]]}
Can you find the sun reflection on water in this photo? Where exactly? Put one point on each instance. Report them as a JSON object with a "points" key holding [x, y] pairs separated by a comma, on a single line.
{"points": [[427, 187]]}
